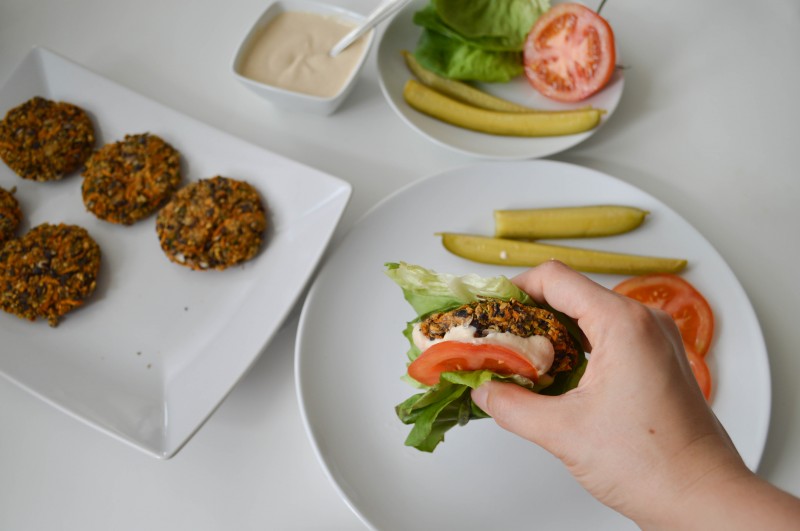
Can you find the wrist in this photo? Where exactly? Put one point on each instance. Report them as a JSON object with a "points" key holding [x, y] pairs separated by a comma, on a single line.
{"points": [[745, 502], [696, 488], [710, 500], [728, 496]]}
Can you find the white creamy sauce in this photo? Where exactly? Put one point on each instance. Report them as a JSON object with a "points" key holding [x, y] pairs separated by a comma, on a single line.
{"points": [[537, 349], [291, 53]]}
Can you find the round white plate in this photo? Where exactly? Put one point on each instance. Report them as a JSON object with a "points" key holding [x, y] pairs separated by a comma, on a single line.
{"points": [[402, 34], [351, 355]]}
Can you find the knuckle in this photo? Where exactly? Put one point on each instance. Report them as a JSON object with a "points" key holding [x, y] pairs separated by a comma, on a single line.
{"points": [[553, 265]]}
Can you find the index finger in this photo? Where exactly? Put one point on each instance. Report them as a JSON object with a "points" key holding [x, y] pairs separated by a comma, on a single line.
{"points": [[569, 292]]}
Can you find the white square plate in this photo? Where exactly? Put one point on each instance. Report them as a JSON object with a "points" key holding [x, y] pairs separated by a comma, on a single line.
{"points": [[159, 346]]}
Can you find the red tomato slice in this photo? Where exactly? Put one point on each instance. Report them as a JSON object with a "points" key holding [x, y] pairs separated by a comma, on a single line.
{"points": [[569, 53], [681, 300], [458, 356], [701, 372]]}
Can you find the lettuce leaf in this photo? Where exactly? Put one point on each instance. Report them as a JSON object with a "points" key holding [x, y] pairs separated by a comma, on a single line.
{"points": [[429, 19], [443, 406], [455, 59], [428, 291], [447, 404], [478, 40], [509, 19]]}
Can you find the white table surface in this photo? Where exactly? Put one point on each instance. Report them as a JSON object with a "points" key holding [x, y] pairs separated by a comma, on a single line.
{"points": [[708, 124]]}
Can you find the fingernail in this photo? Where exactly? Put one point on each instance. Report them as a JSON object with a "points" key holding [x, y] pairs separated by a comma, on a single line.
{"points": [[480, 395]]}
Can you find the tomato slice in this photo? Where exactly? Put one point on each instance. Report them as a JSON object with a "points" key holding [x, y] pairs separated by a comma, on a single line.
{"points": [[701, 372], [688, 308], [569, 53], [681, 300], [449, 356]]}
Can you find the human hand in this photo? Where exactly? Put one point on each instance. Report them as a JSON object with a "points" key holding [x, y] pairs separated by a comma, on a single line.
{"points": [[637, 432]]}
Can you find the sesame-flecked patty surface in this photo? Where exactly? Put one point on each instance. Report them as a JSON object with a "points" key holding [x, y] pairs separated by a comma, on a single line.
{"points": [[10, 215], [48, 272], [44, 140], [128, 180], [495, 315], [212, 224]]}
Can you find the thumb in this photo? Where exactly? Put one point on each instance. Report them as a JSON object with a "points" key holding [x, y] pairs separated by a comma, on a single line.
{"points": [[530, 415]]}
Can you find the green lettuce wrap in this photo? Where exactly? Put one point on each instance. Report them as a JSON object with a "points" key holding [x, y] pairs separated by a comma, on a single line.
{"points": [[448, 403]]}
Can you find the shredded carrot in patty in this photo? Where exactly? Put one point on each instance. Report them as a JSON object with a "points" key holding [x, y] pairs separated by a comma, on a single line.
{"points": [[10, 215], [44, 140], [48, 272], [126, 181], [212, 224]]}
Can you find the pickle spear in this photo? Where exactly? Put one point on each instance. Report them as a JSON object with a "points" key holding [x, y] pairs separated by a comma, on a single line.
{"points": [[459, 90], [501, 251], [540, 123], [567, 222]]}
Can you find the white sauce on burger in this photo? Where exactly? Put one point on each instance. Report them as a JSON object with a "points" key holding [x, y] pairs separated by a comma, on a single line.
{"points": [[537, 349]]}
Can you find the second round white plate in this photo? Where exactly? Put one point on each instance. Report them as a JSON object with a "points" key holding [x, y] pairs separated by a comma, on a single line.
{"points": [[402, 34]]}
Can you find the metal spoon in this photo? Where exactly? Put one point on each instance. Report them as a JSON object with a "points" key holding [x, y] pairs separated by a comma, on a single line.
{"points": [[383, 11]]}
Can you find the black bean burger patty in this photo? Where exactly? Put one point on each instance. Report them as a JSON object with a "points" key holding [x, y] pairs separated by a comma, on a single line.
{"points": [[44, 140], [495, 315], [48, 272], [10, 215], [126, 181], [212, 224]]}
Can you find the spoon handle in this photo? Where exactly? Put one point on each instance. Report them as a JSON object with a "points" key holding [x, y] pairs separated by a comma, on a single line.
{"points": [[375, 18]]}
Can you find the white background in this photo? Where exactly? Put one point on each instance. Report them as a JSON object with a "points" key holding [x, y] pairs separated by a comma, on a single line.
{"points": [[708, 124]]}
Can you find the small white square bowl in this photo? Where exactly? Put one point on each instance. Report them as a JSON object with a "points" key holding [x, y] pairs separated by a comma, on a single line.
{"points": [[288, 99]]}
